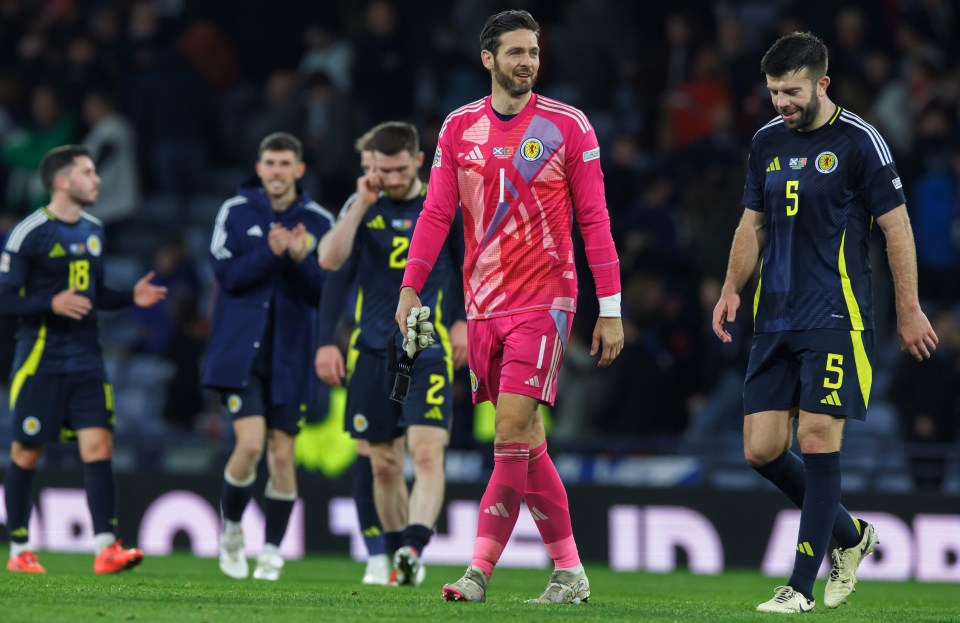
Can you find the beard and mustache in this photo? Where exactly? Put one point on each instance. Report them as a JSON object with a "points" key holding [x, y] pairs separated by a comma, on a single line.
{"points": [[398, 193], [510, 84], [84, 200], [808, 115]]}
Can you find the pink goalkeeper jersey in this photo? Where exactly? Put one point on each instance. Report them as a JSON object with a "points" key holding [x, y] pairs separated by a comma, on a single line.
{"points": [[520, 183]]}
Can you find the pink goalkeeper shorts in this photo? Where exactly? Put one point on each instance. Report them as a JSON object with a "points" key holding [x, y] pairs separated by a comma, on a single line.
{"points": [[517, 354]]}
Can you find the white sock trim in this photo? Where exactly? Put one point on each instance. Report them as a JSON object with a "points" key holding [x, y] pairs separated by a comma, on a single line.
{"points": [[103, 540], [18, 548], [238, 483], [270, 548], [270, 492]]}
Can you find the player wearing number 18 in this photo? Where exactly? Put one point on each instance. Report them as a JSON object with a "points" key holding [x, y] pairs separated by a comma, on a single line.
{"points": [[818, 176], [51, 276]]}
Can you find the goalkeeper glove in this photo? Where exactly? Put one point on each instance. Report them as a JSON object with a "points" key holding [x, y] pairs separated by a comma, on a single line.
{"points": [[419, 331]]}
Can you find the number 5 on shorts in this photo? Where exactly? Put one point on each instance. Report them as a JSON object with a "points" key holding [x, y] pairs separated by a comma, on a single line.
{"points": [[834, 363]]}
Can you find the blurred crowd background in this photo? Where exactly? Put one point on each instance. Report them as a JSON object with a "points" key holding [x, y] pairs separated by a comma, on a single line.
{"points": [[172, 97]]}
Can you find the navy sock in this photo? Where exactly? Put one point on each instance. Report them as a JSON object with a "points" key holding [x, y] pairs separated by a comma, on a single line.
{"points": [[276, 513], [101, 495], [820, 504], [392, 541], [16, 491], [786, 472], [370, 526], [417, 536], [234, 499]]}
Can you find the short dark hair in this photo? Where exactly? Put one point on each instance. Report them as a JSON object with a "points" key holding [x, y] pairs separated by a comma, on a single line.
{"points": [[363, 141], [791, 53], [281, 141], [58, 159], [505, 21], [392, 137]]}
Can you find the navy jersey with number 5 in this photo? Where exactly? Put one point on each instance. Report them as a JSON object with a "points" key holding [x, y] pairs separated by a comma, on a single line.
{"points": [[819, 192], [42, 257]]}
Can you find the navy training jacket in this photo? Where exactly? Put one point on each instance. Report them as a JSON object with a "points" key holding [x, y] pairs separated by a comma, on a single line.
{"points": [[250, 280]]}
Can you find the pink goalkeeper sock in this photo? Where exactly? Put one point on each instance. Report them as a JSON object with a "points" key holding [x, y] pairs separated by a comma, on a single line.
{"points": [[500, 503], [547, 500]]}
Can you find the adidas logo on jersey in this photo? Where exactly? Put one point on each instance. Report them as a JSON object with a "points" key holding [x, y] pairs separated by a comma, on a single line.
{"points": [[538, 514], [255, 231], [775, 165], [57, 251], [475, 154], [434, 414], [497, 510], [832, 399], [377, 223], [533, 381]]}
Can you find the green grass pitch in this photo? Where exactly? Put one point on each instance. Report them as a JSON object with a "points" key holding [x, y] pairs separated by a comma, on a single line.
{"points": [[183, 589]]}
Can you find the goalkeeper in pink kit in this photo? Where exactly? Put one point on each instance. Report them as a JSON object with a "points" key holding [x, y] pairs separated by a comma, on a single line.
{"points": [[522, 167]]}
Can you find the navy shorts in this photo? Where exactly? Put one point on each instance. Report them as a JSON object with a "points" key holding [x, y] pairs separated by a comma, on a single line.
{"points": [[254, 400], [51, 407], [821, 371], [371, 415]]}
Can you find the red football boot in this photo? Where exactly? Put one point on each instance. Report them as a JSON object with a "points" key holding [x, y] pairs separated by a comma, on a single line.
{"points": [[115, 559], [26, 562]]}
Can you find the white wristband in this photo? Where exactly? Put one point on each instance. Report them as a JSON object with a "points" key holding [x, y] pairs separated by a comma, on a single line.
{"points": [[610, 306]]}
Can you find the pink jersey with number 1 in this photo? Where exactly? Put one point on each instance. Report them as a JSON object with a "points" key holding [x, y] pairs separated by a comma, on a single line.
{"points": [[521, 183]]}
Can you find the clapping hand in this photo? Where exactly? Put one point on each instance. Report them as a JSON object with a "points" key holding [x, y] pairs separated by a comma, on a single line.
{"points": [[279, 239], [300, 243]]}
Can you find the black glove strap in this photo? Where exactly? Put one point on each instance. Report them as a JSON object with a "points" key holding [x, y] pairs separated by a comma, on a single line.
{"points": [[401, 368]]}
